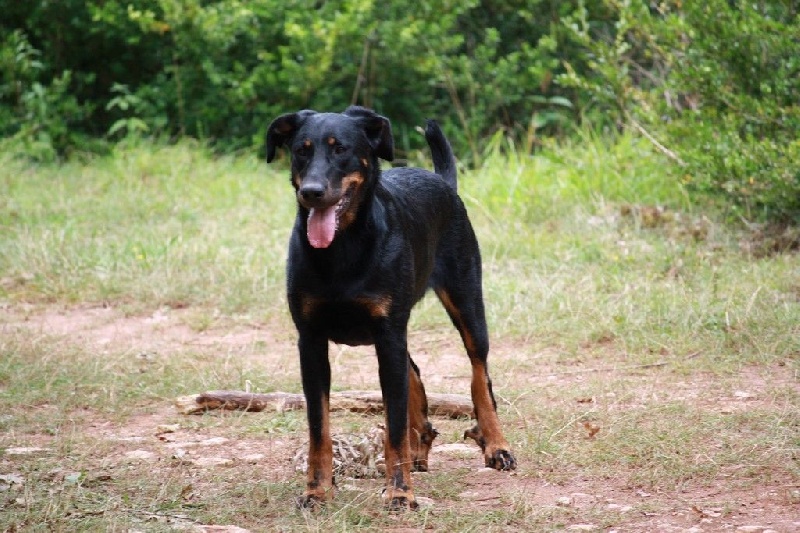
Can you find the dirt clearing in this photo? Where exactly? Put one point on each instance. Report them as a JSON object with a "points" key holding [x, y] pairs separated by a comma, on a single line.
{"points": [[604, 443]]}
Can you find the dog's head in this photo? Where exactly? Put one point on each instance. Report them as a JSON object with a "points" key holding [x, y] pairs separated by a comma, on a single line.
{"points": [[334, 163]]}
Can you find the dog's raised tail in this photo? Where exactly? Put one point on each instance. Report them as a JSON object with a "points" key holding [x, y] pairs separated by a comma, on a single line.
{"points": [[444, 162]]}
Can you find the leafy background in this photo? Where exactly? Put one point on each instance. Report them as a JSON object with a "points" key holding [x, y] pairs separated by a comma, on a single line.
{"points": [[714, 85]]}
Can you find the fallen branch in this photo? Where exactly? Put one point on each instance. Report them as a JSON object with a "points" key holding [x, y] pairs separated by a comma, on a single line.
{"points": [[446, 405]]}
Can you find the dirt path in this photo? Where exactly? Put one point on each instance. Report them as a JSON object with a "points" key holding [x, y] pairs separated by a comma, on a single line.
{"points": [[155, 438]]}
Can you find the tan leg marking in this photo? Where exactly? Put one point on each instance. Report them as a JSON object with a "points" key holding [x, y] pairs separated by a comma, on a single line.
{"points": [[420, 431], [487, 432], [399, 493], [308, 305], [319, 480]]}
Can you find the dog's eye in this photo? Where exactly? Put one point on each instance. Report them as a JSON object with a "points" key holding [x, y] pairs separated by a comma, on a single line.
{"points": [[339, 149], [302, 151]]}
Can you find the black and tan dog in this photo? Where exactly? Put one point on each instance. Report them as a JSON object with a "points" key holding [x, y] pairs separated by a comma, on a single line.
{"points": [[365, 248]]}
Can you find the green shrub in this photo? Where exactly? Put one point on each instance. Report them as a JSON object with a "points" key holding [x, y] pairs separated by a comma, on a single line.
{"points": [[714, 85], [39, 115], [740, 67], [222, 69]]}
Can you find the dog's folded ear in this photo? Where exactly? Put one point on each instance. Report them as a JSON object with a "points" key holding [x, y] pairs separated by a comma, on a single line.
{"points": [[377, 128], [283, 129]]}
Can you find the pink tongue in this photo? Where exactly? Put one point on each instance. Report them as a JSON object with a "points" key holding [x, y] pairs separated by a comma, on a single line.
{"points": [[321, 226]]}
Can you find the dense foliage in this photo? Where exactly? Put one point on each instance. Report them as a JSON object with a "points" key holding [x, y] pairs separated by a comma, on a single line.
{"points": [[714, 85]]}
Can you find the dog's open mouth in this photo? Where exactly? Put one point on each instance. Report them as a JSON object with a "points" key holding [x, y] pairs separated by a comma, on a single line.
{"points": [[324, 221]]}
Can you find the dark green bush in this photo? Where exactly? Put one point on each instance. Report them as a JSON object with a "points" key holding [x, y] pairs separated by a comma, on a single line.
{"points": [[714, 85], [38, 115], [221, 69], [740, 68]]}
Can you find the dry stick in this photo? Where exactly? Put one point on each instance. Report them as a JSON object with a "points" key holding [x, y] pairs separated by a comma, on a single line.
{"points": [[663, 149], [620, 368], [447, 405], [361, 68]]}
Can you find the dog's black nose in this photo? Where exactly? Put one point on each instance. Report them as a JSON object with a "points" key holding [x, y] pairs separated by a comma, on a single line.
{"points": [[312, 191]]}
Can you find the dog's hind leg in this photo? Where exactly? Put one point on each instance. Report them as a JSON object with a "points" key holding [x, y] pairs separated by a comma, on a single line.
{"points": [[420, 431], [465, 308]]}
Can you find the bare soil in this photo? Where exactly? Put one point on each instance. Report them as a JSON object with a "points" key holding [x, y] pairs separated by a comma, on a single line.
{"points": [[155, 437]]}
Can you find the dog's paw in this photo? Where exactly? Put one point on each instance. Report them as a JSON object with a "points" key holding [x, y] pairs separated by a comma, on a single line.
{"points": [[400, 504], [309, 502], [421, 443], [313, 498], [397, 501], [501, 460]]}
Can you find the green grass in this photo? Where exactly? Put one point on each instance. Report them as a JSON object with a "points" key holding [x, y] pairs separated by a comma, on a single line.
{"points": [[159, 226], [596, 264]]}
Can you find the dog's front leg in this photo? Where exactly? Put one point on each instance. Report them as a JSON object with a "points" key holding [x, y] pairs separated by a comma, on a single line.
{"points": [[316, 374], [393, 366]]}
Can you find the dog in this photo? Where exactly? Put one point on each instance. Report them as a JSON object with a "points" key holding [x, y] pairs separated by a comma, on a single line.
{"points": [[365, 247]]}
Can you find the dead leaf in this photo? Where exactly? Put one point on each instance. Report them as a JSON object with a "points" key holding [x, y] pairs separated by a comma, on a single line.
{"points": [[591, 428], [187, 492], [167, 428], [706, 513]]}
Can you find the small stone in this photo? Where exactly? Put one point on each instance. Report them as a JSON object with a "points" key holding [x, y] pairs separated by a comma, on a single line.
{"points": [[619, 508], [582, 527], [180, 454], [219, 529], [25, 450], [751, 529], [455, 448], [140, 455], [129, 439], [10, 481], [564, 501], [424, 502], [214, 441], [211, 461]]}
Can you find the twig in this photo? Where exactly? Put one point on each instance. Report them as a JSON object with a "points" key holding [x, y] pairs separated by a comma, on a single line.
{"points": [[609, 369], [361, 68], [622, 368], [661, 148]]}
